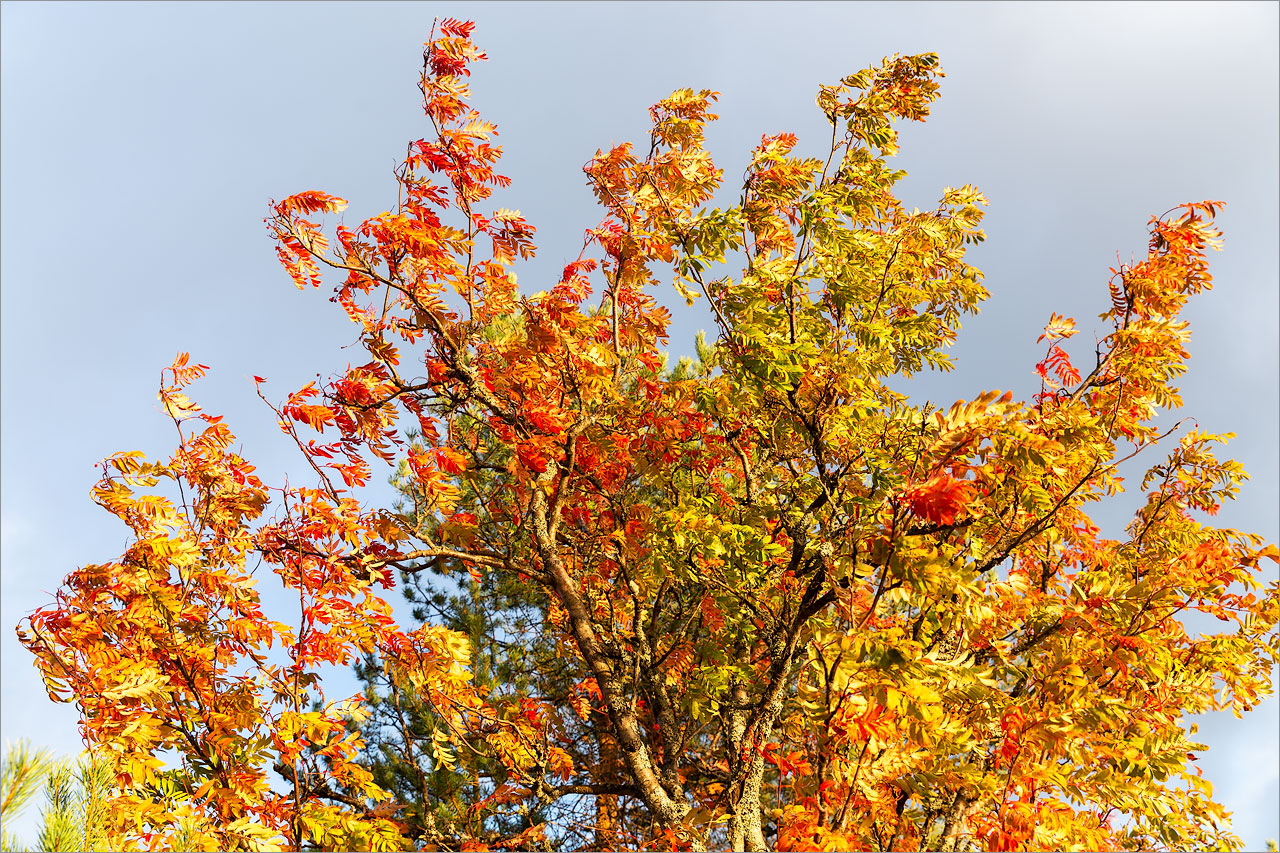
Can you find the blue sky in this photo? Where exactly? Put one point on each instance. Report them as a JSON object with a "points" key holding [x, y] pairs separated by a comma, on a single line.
{"points": [[139, 144]]}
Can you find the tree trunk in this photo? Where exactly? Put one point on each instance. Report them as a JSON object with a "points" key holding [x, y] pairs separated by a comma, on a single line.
{"points": [[745, 829], [956, 837], [668, 809]]}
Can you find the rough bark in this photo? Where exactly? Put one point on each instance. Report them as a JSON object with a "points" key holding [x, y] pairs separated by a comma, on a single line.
{"points": [[636, 757], [956, 836], [746, 735]]}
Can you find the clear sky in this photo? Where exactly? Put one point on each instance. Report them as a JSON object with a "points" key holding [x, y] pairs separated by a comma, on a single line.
{"points": [[139, 144]]}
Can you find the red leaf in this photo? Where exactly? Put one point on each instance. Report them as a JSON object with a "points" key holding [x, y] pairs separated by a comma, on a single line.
{"points": [[450, 461], [940, 499]]}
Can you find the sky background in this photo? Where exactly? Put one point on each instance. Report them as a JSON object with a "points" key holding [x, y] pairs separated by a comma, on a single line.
{"points": [[140, 143]]}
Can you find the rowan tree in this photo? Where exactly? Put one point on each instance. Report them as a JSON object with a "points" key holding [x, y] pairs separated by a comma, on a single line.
{"points": [[757, 600]]}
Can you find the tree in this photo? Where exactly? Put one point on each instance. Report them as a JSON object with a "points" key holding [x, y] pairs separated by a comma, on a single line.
{"points": [[764, 598], [75, 795], [22, 774], [502, 619]]}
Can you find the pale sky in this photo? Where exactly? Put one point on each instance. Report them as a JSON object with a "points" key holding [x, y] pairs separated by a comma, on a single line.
{"points": [[140, 143]]}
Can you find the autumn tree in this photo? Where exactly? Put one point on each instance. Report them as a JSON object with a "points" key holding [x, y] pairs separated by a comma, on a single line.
{"points": [[756, 600]]}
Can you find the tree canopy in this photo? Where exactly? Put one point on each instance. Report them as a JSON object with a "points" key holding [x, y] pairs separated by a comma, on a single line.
{"points": [[760, 599]]}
